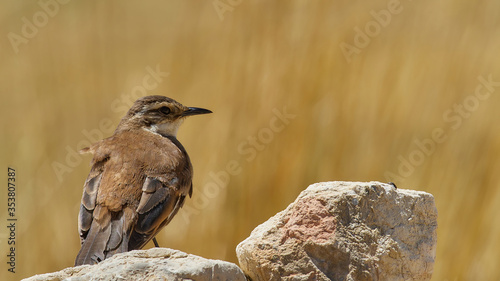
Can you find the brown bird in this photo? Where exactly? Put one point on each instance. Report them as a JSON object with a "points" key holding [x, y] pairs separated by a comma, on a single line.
{"points": [[139, 179]]}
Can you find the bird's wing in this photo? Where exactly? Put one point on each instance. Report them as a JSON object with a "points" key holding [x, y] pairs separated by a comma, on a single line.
{"points": [[89, 197], [161, 199], [98, 231]]}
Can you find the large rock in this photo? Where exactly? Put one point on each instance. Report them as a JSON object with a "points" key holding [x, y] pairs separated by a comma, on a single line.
{"points": [[346, 231], [152, 264]]}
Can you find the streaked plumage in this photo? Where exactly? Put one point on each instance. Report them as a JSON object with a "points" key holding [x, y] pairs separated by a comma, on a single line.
{"points": [[139, 179]]}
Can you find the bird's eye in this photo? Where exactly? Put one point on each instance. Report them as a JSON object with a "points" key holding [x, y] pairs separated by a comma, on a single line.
{"points": [[164, 109]]}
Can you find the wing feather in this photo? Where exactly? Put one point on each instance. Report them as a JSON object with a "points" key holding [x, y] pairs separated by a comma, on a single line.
{"points": [[160, 201], [88, 204]]}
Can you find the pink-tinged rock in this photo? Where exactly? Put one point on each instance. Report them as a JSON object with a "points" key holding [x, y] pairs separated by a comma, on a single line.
{"points": [[346, 231]]}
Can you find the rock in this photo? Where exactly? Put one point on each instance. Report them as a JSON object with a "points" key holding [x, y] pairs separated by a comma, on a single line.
{"points": [[152, 264], [346, 231]]}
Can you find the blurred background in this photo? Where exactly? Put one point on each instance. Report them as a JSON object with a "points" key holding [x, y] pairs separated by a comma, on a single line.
{"points": [[302, 92]]}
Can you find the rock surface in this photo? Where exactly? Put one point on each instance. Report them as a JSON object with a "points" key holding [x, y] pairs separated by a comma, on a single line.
{"points": [[346, 231], [152, 264], [333, 231]]}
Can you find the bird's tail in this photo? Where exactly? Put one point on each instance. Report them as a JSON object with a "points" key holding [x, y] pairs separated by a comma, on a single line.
{"points": [[106, 237]]}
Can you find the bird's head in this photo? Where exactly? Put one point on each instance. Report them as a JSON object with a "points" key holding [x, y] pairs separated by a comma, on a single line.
{"points": [[158, 114]]}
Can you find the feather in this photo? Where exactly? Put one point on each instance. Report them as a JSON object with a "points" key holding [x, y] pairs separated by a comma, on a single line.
{"points": [[94, 245]]}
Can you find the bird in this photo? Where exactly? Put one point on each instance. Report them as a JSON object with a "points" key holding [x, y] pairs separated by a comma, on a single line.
{"points": [[138, 181]]}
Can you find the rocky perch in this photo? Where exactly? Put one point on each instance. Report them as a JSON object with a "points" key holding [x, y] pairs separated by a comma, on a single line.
{"points": [[333, 231], [346, 231], [152, 264]]}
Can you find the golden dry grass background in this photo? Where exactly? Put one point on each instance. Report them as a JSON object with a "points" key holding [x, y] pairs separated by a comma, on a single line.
{"points": [[354, 121]]}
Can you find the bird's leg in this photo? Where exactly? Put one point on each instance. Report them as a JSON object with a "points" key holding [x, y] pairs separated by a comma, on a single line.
{"points": [[155, 242]]}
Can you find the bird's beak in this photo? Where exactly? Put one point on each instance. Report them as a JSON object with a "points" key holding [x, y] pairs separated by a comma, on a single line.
{"points": [[195, 111]]}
